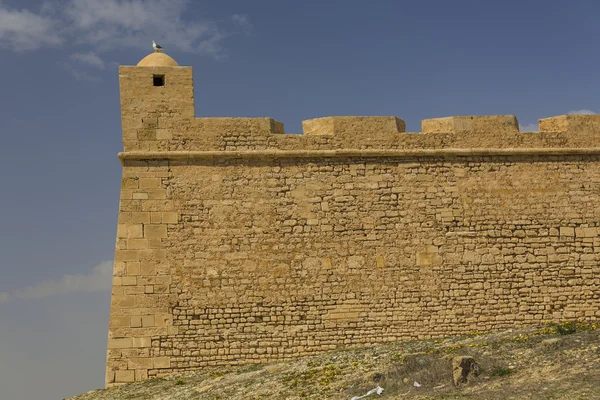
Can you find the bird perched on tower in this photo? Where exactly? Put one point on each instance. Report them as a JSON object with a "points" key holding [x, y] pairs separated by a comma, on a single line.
{"points": [[156, 47]]}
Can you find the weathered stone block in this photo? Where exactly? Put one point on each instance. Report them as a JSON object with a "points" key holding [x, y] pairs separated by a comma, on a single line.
{"points": [[352, 125], [127, 255], [169, 218], [141, 342], [128, 281], [141, 374], [155, 231], [140, 196], [125, 376], [162, 362], [148, 321], [139, 218], [567, 231], [155, 218], [573, 123], [136, 322], [471, 124], [135, 231], [130, 183], [122, 343]]}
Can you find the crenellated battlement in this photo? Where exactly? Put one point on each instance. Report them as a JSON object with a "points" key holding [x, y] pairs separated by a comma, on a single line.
{"points": [[344, 134], [161, 118]]}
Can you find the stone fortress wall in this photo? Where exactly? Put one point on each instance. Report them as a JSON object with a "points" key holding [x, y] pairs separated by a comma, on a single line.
{"points": [[240, 244]]}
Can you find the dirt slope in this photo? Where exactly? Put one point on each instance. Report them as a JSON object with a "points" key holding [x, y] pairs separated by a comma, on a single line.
{"points": [[549, 362]]}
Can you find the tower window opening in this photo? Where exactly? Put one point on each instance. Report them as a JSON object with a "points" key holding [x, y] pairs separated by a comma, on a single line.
{"points": [[159, 80]]}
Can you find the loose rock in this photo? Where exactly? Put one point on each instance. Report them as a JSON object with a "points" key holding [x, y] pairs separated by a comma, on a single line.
{"points": [[462, 368]]}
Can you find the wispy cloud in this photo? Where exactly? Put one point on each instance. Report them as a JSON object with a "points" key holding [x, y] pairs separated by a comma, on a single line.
{"points": [[242, 21], [79, 73], [22, 30], [89, 58], [105, 25], [584, 111], [108, 24], [100, 279]]}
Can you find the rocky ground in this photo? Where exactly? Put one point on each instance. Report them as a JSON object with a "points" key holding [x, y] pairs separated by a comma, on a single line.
{"points": [[548, 362]]}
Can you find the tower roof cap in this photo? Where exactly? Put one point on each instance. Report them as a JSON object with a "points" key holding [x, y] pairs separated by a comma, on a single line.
{"points": [[157, 59]]}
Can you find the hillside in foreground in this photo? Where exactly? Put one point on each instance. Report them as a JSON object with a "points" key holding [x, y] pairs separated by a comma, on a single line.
{"points": [[548, 362]]}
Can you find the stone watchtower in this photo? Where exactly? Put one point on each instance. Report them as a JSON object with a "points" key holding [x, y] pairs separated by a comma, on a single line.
{"points": [[239, 244], [157, 89], [157, 95]]}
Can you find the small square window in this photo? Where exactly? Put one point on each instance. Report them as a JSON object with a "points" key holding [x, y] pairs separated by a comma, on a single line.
{"points": [[159, 80]]}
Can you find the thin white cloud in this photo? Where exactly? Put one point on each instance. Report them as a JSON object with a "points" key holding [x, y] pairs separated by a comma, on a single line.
{"points": [[22, 30], [584, 111], [89, 58], [92, 28], [105, 25], [100, 279], [108, 24], [78, 73], [242, 21]]}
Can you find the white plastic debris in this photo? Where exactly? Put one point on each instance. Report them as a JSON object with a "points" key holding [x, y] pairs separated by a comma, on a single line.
{"points": [[377, 390], [416, 384]]}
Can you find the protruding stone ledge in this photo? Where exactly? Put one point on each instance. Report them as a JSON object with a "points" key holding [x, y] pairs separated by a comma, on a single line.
{"points": [[471, 124], [571, 123], [271, 154], [341, 125]]}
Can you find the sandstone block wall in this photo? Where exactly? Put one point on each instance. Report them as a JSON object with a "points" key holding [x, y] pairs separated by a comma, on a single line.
{"points": [[239, 244]]}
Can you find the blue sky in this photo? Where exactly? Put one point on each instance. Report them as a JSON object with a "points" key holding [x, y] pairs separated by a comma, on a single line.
{"points": [[61, 132]]}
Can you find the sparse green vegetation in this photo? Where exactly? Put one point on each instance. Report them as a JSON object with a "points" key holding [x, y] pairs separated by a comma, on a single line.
{"points": [[321, 377], [562, 358], [217, 373], [250, 368]]}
